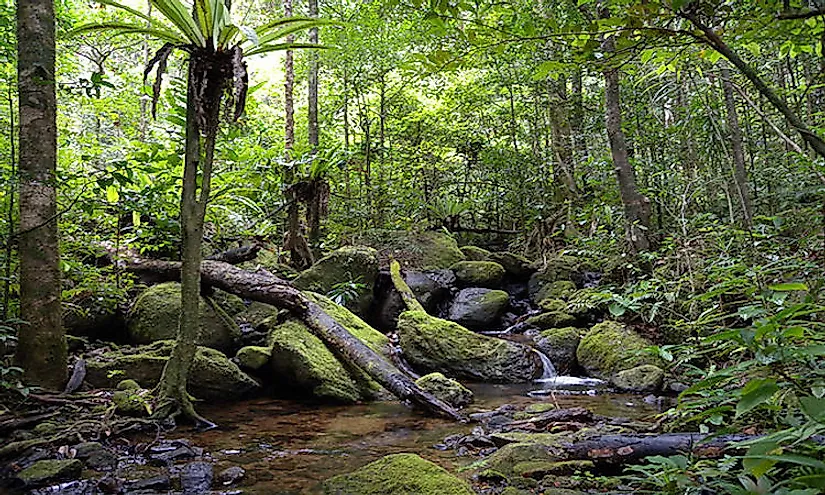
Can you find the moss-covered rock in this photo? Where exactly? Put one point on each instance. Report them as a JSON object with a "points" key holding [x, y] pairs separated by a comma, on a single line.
{"points": [[133, 402], [505, 459], [610, 347], [446, 389], [213, 377], [431, 250], [553, 319], [398, 474], [550, 305], [347, 264], [430, 289], [515, 265], [560, 344], [231, 304], [478, 309], [560, 289], [156, 313], [538, 469], [646, 378], [377, 341], [268, 260], [558, 268], [256, 313], [50, 471], [478, 274], [253, 357], [475, 253], [432, 344]]}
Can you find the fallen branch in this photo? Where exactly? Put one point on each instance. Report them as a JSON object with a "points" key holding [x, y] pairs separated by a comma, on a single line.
{"points": [[266, 288]]}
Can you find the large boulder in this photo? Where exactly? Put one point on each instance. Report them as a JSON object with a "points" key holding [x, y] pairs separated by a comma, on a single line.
{"points": [[646, 378], [560, 289], [515, 265], [478, 274], [96, 314], [610, 347], [475, 253], [450, 391], [432, 344], [478, 309], [301, 362], [560, 344], [351, 264], [558, 268], [430, 250], [213, 377], [551, 319], [50, 471], [156, 313], [430, 289], [398, 474], [268, 260]]}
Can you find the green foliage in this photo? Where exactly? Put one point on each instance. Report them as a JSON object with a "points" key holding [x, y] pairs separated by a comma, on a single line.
{"points": [[343, 293]]}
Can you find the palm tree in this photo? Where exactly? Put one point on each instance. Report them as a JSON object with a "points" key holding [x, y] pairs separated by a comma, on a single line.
{"points": [[215, 49]]}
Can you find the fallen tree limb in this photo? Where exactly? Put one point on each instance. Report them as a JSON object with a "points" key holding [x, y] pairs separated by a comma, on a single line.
{"points": [[266, 288]]}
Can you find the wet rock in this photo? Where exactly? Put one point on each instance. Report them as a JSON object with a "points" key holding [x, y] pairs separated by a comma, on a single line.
{"points": [[432, 344], [474, 253], [196, 478], [301, 361], [478, 274], [505, 459], [641, 379], [168, 452], [231, 476], [348, 264], [446, 389], [50, 471], [160, 483], [677, 387], [610, 347], [156, 313], [515, 265], [553, 319], [560, 344], [213, 376], [95, 456], [253, 358], [399, 474], [478, 309]]}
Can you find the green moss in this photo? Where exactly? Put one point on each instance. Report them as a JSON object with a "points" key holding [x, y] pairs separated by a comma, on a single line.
{"points": [[553, 319], [515, 265], [132, 402], [438, 250], [610, 347], [269, 261], [478, 273], [474, 253], [302, 362], [643, 379], [446, 389], [505, 459], [550, 304], [541, 407], [348, 264], [128, 385], [156, 313], [257, 313], [399, 474], [433, 344], [253, 357], [377, 341], [231, 304], [560, 345], [212, 377], [538, 470], [542, 439], [560, 289], [43, 472]]}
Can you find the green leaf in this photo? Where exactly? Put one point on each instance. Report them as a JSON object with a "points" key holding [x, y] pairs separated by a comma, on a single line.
{"points": [[123, 28], [135, 218], [176, 13], [813, 407], [800, 460], [756, 392], [112, 195], [789, 287]]}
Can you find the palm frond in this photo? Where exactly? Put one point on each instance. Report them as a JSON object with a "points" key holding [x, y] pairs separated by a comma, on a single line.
{"points": [[266, 34], [182, 19], [123, 28]]}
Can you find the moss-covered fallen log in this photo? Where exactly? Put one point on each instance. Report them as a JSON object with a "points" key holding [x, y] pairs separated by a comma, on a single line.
{"points": [[266, 288]]}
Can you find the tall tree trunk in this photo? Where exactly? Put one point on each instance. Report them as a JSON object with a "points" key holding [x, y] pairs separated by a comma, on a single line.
{"points": [[740, 175], [636, 206], [577, 117], [562, 143], [314, 209], [10, 191], [41, 349]]}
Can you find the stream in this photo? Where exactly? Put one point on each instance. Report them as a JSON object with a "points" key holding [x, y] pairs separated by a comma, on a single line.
{"points": [[289, 447]]}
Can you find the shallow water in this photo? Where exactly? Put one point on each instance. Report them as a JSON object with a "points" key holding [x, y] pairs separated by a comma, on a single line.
{"points": [[288, 447]]}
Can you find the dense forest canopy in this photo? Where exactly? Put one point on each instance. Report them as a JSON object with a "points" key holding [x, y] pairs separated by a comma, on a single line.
{"points": [[667, 155]]}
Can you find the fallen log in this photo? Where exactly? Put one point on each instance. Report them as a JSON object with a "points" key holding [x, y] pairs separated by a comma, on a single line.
{"points": [[266, 288]]}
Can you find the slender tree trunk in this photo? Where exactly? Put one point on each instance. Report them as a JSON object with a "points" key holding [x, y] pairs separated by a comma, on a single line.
{"points": [[10, 191], [740, 174], [577, 117], [513, 121], [562, 142], [41, 349], [636, 206], [314, 209]]}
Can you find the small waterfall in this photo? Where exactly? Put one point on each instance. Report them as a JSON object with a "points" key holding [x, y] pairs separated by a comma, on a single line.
{"points": [[549, 369]]}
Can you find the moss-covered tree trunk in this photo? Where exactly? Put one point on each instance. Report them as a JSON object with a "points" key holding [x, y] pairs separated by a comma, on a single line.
{"points": [[41, 348]]}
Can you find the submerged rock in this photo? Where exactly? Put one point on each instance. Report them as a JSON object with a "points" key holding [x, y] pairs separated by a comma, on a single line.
{"points": [[646, 378], [156, 313], [478, 309], [474, 253], [432, 344], [515, 265], [398, 474], [50, 471], [213, 376], [560, 344], [478, 274], [357, 264], [446, 389], [610, 347]]}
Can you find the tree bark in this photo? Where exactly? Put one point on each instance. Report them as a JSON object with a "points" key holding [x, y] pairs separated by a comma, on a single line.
{"points": [[636, 206], [314, 209], [266, 288], [562, 142], [740, 174], [41, 349]]}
